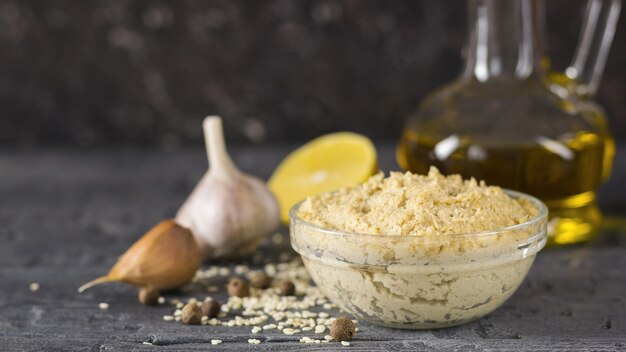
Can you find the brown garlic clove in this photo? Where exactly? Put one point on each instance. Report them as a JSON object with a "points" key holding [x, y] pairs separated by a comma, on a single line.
{"points": [[165, 257]]}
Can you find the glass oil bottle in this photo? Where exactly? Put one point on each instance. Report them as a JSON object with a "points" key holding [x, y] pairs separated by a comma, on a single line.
{"points": [[509, 122]]}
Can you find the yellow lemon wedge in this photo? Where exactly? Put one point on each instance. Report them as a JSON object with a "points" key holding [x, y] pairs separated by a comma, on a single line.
{"points": [[324, 164]]}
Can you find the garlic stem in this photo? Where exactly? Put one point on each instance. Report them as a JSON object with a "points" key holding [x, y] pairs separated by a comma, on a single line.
{"points": [[219, 160]]}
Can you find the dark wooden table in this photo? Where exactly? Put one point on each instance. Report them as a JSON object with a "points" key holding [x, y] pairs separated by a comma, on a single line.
{"points": [[66, 215]]}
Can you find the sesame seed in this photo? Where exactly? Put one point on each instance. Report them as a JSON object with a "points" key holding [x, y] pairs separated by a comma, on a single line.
{"points": [[345, 343], [216, 342], [168, 317], [266, 309], [270, 269], [161, 300], [103, 305], [241, 269], [34, 286], [254, 341], [328, 338]]}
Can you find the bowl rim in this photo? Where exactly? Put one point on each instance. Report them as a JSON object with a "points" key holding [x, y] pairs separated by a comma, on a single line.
{"points": [[542, 215]]}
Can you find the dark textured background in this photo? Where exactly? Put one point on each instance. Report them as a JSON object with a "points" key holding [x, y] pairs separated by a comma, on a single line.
{"points": [[102, 73]]}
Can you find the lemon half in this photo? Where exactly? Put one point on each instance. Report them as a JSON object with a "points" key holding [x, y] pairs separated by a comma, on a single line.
{"points": [[325, 164]]}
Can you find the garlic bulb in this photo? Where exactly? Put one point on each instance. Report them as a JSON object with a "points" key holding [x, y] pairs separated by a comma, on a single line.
{"points": [[228, 212]]}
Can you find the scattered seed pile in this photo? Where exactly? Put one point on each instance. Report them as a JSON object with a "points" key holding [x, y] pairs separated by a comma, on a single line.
{"points": [[280, 297]]}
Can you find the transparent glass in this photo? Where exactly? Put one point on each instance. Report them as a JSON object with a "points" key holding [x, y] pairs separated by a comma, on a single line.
{"points": [[420, 282], [508, 122]]}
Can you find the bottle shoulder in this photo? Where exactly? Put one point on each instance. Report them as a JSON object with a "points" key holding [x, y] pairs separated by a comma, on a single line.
{"points": [[509, 109]]}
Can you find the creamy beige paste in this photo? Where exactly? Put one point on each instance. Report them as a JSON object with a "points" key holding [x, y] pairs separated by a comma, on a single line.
{"points": [[416, 268], [406, 204]]}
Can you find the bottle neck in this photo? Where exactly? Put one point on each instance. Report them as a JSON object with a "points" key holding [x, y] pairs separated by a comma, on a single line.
{"points": [[504, 40]]}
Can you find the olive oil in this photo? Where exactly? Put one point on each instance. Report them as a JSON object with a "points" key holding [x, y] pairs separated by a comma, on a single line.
{"points": [[511, 121], [564, 173]]}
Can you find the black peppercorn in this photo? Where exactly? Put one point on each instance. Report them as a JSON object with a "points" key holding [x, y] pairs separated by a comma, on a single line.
{"points": [[259, 279], [238, 287], [149, 296], [211, 308], [287, 288], [342, 329], [191, 314]]}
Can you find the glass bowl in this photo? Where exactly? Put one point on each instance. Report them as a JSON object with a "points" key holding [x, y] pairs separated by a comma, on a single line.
{"points": [[420, 282]]}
